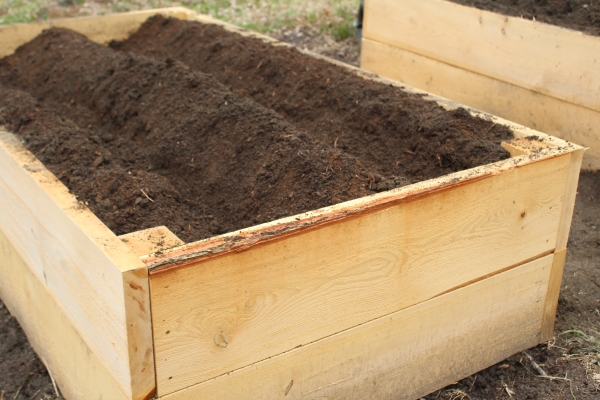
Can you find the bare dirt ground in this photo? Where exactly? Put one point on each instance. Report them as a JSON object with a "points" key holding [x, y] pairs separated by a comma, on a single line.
{"points": [[571, 359]]}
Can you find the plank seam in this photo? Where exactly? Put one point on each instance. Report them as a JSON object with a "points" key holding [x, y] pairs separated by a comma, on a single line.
{"points": [[487, 276]]}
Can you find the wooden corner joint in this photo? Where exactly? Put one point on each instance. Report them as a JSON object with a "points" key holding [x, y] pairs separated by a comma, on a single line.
{"points": [[549, 316]]}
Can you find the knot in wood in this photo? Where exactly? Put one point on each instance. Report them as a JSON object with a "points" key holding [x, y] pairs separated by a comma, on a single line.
{"points": [[221, 339]]}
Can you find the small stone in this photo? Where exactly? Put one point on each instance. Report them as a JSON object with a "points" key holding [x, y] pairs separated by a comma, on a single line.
{"points": [[105, 204], [108, 137], [99, 160]]}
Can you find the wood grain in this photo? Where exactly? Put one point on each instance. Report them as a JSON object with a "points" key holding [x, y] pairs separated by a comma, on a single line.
{"points": [[246, 306], [405, 355], [544, 58], [538, 111], [569, 200], [96, 280], [79, 373]]}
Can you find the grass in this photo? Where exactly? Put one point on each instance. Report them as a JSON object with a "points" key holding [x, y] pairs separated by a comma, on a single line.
{"points": [[15, 11], [331, 17], [586, 349]]}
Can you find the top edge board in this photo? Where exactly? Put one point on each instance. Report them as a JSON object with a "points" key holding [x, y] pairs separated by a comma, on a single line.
{"points": [[100, 29]]}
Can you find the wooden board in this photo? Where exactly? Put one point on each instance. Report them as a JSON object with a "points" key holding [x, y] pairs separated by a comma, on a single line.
{"points": [[96, 280], [404, 355], [100, 29], [544, 58], [79, 373], [538, 111], [242, 307], [569, 200]]}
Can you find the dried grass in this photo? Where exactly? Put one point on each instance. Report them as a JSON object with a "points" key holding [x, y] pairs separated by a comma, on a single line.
{"points": [[585, 348]]}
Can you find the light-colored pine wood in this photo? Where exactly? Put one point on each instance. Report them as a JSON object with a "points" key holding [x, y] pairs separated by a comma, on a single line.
{"points": [[152, 240], [551, 303], [96, 280], [404, 355], [243, 307], [100, 29], [79, 373], [538, 111], [544, 58], [569, 201]]}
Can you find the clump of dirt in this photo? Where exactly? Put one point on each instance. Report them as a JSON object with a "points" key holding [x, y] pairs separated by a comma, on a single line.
{"points": [[392, 132], [165, 145], [581, 15]]}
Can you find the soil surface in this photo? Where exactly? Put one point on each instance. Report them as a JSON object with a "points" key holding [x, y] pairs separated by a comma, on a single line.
{"points": [[580, 15], [148, 141], [393, 133], [96, 133]]}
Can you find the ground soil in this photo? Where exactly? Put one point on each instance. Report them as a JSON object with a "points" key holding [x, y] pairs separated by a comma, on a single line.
{"points": [[96, 131], [580, 15]]}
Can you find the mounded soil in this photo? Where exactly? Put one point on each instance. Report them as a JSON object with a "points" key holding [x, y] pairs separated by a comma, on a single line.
{"points": [[393, 133], [580, 15], [146, 140]]}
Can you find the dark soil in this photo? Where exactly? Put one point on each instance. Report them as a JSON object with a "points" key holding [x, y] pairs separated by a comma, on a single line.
{"points": [[150, 141], [580, 15], [393, 133], [21, 371], [147, 142]]}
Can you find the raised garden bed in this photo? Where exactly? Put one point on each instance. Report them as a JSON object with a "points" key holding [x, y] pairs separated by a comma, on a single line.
{"points": [[539, 75], [385, 261]]}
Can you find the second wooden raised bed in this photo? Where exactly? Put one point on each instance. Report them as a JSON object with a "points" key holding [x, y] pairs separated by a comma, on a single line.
{"points": [[354, 300], [539, 75]]}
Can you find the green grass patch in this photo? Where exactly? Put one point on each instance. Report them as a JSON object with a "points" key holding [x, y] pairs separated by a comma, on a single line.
{"points": [[332, 17], [18, 11]]}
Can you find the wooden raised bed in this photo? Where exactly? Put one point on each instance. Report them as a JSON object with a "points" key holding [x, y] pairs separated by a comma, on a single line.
{"points": [[539, 75], [354, 300]]}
